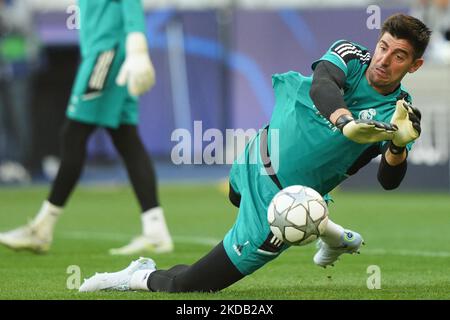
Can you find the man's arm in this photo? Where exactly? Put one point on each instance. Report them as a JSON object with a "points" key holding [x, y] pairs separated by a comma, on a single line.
{"points": [[393, 164], [392, 167], [326, 91], [328, 81], [137, 71], [133, 16]]}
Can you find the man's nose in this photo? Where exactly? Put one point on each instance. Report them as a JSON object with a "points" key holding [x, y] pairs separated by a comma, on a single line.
{"points": [[385, 59]]}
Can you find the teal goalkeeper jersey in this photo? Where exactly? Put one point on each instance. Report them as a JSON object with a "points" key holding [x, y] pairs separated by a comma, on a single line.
{"points": [[312, 151], [105, 23]]}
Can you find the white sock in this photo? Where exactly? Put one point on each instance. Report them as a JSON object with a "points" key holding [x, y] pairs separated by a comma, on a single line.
{"points": [[154, 224], [139, 279], [46, 219], [332, 234]]}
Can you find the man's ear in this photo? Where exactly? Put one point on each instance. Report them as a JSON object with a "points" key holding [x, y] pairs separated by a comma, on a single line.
{"points": [[416, 65]]}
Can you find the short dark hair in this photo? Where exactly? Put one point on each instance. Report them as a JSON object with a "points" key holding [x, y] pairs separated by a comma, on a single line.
{"points": [[406, 27]]}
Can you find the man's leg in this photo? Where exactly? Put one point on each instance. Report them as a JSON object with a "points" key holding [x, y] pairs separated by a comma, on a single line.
{"points": [[73, 154], [213, 272], [37, 236], [155, 236], [335, 241]]}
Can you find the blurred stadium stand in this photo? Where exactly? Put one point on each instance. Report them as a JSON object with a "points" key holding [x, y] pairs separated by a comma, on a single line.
{"points": [[228, 53], [57, 5]]}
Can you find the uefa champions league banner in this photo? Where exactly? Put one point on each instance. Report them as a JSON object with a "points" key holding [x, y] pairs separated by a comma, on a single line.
{"points": [[215, 67]]}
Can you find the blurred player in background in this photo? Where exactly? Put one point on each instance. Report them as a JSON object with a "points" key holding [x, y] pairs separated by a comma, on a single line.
{"points": [[330, 125], [19, 53], [115, 69]]}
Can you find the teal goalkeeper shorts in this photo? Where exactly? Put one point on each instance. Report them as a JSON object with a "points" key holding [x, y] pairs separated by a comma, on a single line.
{"points": [[96, 98], [249, 243]]}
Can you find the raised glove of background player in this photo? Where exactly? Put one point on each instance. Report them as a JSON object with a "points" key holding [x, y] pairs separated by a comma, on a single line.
{"points": [[137, 70], [407, 119], [365, 131]]}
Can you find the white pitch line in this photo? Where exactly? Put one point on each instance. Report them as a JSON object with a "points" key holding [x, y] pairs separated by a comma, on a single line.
{"points": [[207, 241], [111, 236]]}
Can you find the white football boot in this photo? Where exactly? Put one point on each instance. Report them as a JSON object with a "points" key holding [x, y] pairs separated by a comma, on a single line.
{"points": [[155, 237], [27, 237], [119, 281], [145, 244], [350, 243]]}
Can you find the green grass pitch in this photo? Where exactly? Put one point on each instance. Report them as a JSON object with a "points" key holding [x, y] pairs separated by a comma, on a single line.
{"points": [[407, 237]]}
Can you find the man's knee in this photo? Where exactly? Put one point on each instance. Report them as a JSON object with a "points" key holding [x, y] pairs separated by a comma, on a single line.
{"points": [[74, 134], [126, 139]]}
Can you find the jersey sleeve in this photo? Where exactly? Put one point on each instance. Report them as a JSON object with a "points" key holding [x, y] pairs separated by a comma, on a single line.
{"points": [[348, 56], [133, 16]]}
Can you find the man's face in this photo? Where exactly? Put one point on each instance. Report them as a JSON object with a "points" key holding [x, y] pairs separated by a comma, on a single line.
{"points": [[392, 60]]}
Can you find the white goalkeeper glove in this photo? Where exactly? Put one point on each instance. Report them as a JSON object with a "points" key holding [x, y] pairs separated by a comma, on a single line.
{"points": [[365, 131], [407, 119], [137, 70]]}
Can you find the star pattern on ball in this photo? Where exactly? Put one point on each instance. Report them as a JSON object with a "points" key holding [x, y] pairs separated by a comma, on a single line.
{"points": [[296, 215], [281, 218], [311, 227]]}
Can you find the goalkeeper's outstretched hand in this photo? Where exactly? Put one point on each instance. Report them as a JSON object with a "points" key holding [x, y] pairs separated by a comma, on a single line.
{"points": [[407, 119], [137, 70], [365, 131]]}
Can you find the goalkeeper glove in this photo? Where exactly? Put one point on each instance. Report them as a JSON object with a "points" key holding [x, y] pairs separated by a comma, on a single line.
{"points": [[407, 119], [137, 70], [365, 131]]}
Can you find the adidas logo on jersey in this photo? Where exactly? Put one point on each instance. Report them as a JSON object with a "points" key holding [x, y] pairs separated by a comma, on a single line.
{"points": [[348, 51]]}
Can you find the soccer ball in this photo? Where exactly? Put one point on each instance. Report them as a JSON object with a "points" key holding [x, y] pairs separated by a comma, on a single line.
{"points": [[297, 215]]}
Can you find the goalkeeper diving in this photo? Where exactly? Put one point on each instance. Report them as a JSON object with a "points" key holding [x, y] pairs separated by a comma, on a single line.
{"points": [[331, 124]]}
